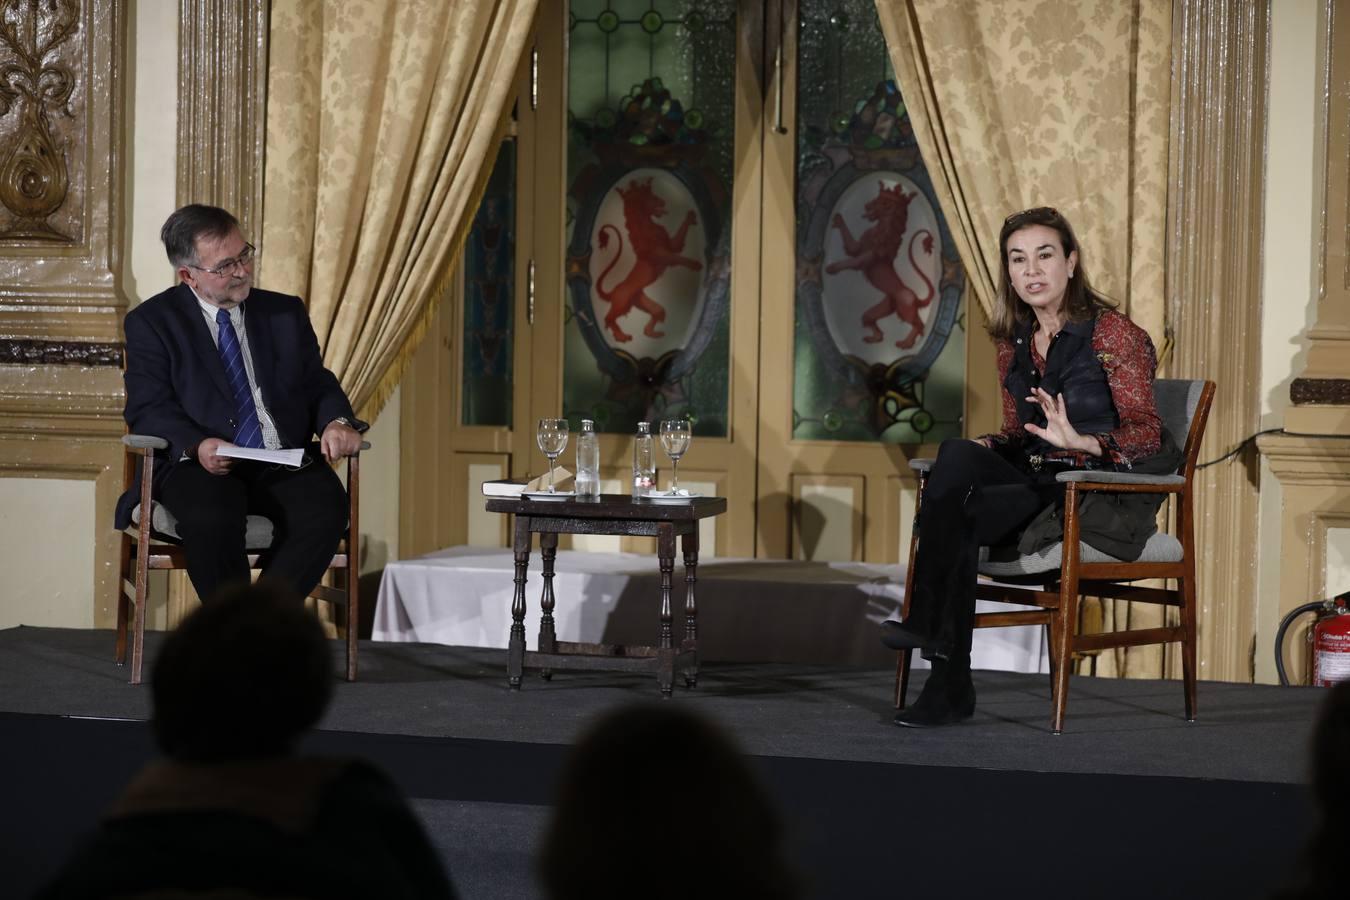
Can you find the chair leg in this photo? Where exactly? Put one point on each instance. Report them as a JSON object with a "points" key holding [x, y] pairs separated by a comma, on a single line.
{"points": [[1188, 641], [353, 572], [903, 658], [1061, 656], [123, 577], [902, 661], [353, 615], [138, 611], [1051, 643]]}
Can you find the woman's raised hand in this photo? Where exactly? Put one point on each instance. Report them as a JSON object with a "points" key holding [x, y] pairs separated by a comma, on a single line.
{"points": [[1057, 430]]}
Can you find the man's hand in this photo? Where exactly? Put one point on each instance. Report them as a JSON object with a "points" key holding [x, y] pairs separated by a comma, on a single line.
{"points": [[1057, 430], [339, 440], [206, 455]]}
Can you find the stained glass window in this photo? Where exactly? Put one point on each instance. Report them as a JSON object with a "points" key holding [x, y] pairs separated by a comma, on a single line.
{"points": [[649, 161], [489, 267], [879, 343]]}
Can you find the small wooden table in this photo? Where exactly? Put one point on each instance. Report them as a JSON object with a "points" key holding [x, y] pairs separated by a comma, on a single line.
{"points": [[611, 514]]}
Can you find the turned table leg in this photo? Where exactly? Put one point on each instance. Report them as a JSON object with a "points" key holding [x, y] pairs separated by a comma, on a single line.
{"points": [[665, 653], [515, 659], [689, 543], [548, 637]]}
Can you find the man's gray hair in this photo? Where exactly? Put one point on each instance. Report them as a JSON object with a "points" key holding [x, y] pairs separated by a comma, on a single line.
{"points": [[196, 220]]}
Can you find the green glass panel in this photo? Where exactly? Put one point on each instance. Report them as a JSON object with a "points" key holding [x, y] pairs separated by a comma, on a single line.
{"points": [[649, 161], [489, 269], [879, 327]]}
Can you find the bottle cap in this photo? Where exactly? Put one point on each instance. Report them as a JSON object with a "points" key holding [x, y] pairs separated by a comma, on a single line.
{"points": [[644, 427]]}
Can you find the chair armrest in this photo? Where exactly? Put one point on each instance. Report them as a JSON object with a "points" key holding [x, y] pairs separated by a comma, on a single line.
{"points": [[145, 442], [1121, 482], [921, 465]]}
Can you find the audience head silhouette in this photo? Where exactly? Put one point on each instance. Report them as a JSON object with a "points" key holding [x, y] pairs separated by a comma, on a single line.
{"points": [[1331, 754], [243, 677], [646, 784], [1322, 870]]}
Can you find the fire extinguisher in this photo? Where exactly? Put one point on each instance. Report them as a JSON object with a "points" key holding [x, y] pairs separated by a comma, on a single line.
{"points": [[1329, 637]]}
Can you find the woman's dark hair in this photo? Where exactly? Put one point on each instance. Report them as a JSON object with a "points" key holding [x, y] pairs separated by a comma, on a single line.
{"points": [[1081, 302], [184, 226], [243, 677], [649, 781]]}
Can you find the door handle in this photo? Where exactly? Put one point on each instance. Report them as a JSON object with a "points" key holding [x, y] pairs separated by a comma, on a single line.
{"points": [[529, 293]]}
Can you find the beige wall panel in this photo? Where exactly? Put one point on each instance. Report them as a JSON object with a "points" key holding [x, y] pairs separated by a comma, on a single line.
{"points": [[1338, 561], [39, 521], [829, 511], [901, 496], [69, 538], [714, 538], [485, 529], [474, 525]]}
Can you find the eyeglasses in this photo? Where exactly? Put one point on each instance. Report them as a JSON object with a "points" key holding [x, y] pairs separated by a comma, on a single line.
{"points": [[230, 266], [1042, 210]]}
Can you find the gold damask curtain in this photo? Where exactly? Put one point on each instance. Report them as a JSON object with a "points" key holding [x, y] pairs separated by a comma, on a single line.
{"points": [[383, 119], [1061, 103]]}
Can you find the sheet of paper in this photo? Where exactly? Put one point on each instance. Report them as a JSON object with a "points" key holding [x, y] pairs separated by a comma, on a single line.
{"points": [[291, 458]]}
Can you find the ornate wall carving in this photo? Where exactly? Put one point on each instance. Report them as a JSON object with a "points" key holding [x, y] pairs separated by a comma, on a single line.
{"points": [[60, 115], [40, 53], [1213, 285]]}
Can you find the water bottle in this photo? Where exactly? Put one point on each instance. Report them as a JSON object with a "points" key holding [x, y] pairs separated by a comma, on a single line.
{"points": [[644, 461], [588, 462]]}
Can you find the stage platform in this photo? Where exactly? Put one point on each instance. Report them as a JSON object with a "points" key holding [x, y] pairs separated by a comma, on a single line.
{"points": [[1144, 803]]}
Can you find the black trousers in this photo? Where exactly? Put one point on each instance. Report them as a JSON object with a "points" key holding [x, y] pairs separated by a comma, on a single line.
{"points": [[973, 497], [308, 508]]}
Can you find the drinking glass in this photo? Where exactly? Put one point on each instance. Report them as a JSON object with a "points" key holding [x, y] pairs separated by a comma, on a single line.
{"points": [[675, 438], [552, 438]]}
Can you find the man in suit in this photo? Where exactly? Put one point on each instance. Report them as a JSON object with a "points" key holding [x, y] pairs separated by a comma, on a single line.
{"points": [[215, 362]]}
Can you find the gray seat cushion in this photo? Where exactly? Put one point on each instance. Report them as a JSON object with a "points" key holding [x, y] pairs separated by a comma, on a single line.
{"points": [[257, 530], [1160, 548]]}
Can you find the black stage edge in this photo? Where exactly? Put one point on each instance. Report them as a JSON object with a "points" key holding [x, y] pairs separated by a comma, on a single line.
{"points": [[1130, 801]]}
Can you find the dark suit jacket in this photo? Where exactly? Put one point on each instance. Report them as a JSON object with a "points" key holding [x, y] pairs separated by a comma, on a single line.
{"points": [[177, 389]]}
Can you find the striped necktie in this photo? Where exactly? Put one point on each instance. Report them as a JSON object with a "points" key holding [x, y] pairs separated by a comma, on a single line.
{"points": [[249, 432]]}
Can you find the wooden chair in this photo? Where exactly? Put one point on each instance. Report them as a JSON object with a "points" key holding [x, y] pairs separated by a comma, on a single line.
{"points": [[1059, 576], [151, 542]]}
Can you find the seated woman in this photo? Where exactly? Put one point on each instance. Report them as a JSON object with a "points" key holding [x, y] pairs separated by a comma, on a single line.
{"points": [[1077, 394]]}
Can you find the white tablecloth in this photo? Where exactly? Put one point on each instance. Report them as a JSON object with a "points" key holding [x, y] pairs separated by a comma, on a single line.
{"points": [[749, 610]]}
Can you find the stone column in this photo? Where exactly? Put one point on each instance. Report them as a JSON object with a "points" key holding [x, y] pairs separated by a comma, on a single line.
{"points": [[1312, 459]]}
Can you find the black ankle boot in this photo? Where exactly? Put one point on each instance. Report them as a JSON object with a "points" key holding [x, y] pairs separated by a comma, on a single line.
{"points": [[946, 698]]}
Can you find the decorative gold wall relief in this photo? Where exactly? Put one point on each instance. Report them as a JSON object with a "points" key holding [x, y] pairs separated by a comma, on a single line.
{"points": [[61, 176], [61, 118], [39, 51]]}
